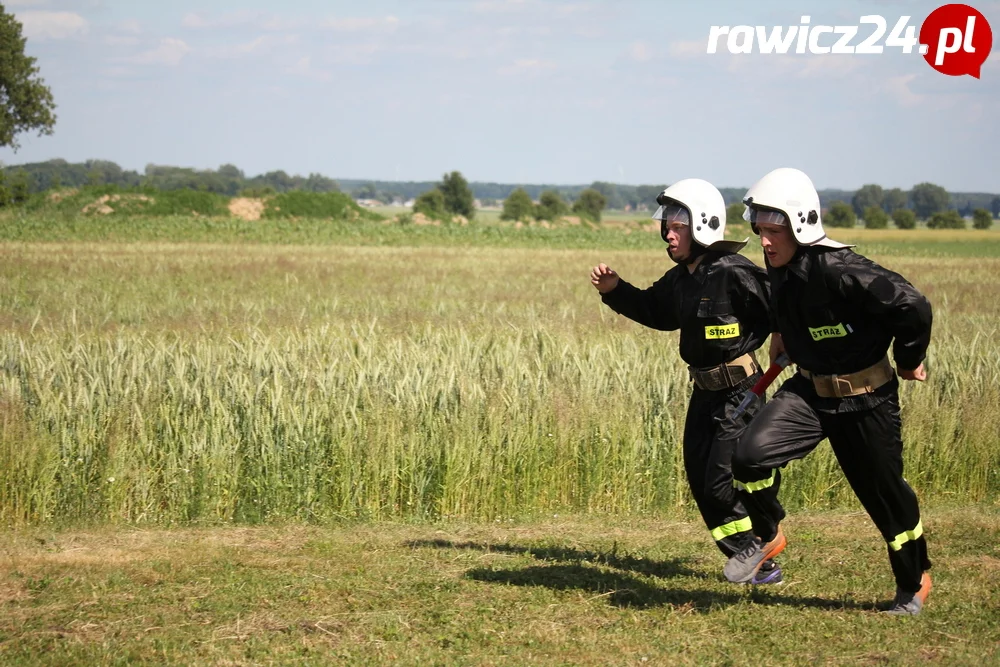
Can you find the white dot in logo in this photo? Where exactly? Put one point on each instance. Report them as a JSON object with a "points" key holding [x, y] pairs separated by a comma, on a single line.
{"points": [[924, 49]]}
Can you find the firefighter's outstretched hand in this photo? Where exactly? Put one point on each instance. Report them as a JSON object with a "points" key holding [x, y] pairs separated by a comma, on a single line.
{"points": [[603, 278], [919, 374]]}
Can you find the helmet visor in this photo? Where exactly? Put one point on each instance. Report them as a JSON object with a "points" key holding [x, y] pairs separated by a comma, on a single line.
{"points": [[763, 215], [672, 213], [668, 213]]}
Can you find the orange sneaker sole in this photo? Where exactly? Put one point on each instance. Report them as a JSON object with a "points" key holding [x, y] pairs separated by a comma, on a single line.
{"points": [[925, 588], [777, 545]]}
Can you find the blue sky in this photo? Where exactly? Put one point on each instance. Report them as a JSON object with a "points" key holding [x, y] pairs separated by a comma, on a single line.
{"points": [[502, 90]]}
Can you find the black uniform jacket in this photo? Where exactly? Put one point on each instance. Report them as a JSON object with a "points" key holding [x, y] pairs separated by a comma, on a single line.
{"points": [[838, 312], [721, 309]]}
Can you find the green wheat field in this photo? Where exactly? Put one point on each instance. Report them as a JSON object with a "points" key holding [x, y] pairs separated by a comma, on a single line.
{"points": [[312, 442]]}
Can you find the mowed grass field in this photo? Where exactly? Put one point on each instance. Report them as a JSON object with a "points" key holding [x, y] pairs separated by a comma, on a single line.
{"points": [[442, 451]]}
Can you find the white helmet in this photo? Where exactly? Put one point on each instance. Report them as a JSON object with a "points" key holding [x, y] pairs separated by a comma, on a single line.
{"points": [[700, 204], [788, 192]]}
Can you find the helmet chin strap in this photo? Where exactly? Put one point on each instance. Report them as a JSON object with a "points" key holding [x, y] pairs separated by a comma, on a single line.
{"points": [[696, 251]]}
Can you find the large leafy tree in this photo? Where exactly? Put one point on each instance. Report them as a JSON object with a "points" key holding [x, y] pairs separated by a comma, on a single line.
{"points": [[929, 199], [893, 200], [25, 101], [518, 206], [458, 198], [868, 195], [551, 206], [589, 204]]}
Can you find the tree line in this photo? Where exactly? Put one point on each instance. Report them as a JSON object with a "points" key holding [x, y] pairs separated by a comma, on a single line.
{"points": [[228, 180]]}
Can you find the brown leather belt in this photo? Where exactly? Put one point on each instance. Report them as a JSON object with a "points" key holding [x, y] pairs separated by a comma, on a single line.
{"points": [[724, 375], [852, 384]]}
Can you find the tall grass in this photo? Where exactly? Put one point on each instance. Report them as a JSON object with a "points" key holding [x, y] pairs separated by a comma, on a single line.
{"points": [[180, 384]]}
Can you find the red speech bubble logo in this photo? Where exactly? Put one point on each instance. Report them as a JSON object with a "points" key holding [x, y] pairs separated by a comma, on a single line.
{"points": [[956, 40]]}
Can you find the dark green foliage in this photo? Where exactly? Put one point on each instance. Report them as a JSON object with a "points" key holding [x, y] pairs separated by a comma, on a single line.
{"points": [[4, 191], [867, 196], [981, 219], [612, 194], [551, 206], [26, 103], [928, 199], [299, 204], [904, 218], [431, 204], [518, 206], [458, 198], [645, 196], [589, 205], [875, 218], [949, 219], [840, 215], [734, 214], [257, 192], [893, 200]]}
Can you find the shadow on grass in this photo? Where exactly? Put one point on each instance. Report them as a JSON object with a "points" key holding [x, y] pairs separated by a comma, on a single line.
{"points": [[675, 567], [623, 589]]}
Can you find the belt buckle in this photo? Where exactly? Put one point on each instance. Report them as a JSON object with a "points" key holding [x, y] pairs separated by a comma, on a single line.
{"points": [[842, 387]]}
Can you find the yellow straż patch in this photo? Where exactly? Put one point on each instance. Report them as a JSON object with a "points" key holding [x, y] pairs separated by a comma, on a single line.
{"points": [[722, 331], [832, 331]]}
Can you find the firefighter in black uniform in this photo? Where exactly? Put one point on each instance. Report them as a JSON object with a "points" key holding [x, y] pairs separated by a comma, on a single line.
{"points": [[719, 301], [835, 314]]}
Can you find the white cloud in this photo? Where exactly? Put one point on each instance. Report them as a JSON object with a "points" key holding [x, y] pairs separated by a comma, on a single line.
{"points": [[40, 24], [241, 19], [499, 6], [131, 26], [527, 66], [169, 52], [26, 3], [362, 24], [898, 87], [193, 20], [303, 67], [687, 49], [120, 40], [640, 51], [258, 45]]}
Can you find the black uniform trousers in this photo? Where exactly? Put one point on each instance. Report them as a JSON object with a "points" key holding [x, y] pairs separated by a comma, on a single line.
{"points": [[710, 439], [869, 447]]}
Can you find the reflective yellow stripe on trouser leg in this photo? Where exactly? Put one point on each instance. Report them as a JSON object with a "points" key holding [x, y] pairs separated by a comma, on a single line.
{"points": [[759, 485], [907, 536], [731, 528]]}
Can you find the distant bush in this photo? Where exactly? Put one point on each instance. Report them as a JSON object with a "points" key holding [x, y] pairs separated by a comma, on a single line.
{"points": [[734, 213], [589, 204], [431, 205], [875, 218], [982, 219], [949, 219], [518, 206], [840, 215], [301, 204], [904, 218], [258, 192], [551, 206]]}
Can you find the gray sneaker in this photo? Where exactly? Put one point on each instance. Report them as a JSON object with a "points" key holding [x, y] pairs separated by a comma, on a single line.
{"points": [[742, 567], [910, 604]]}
